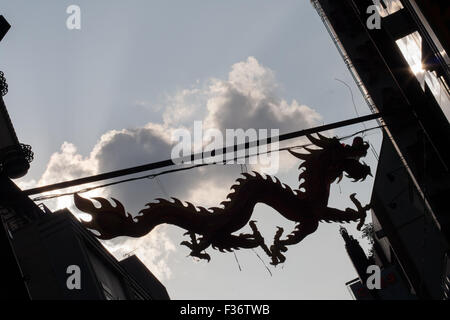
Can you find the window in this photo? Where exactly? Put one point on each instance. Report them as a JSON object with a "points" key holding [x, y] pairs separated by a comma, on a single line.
{"points": [[387, 7], [411, 48]]}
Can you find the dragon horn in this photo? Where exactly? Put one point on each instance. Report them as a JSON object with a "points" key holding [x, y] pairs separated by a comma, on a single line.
{"points": [[301, 156], [324, 139], [370, 172], [310, 150], [321, 142]]}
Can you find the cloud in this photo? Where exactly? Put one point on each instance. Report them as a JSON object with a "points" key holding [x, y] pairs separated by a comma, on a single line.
{"points": [[248, 98], [153, 249]]}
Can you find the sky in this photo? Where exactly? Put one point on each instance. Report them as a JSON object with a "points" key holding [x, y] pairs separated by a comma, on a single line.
{"points": [[109, 96]]}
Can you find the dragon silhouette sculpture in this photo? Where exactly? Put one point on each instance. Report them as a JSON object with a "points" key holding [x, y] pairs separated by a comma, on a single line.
{"points": [[307, 206]]}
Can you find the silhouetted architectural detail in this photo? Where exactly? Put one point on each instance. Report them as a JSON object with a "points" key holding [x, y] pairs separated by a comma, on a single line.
{"points": [[52, 243], [4, 27], [139, 271], [307, 205], [405, 234], [392, 284], [15, 157], [51, 246], [356, 254], [13, 286], [3, 84], [404, 65]]}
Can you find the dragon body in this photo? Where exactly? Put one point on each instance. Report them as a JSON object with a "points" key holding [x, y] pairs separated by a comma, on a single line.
{"points": [[307, 205]]}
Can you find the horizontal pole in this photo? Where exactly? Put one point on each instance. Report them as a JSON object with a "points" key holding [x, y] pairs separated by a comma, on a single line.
{"points": [[169, 162]]}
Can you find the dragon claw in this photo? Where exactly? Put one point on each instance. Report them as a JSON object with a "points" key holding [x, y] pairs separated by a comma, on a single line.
{"points": [[256, 234], [277, 248], [360, 210], [196, 246], [187, 244], [277, 256], [200, 255]]}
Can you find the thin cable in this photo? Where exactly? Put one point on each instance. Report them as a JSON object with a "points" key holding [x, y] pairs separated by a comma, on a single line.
{"points": [[161, 186], [237, 261], [149, 176], [375, 154], [351, 93], [267, 268]]}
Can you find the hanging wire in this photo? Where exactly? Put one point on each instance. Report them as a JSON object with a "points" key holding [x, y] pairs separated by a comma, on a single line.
{"points": [[353, 99], [374, 152], [154, 175], [161, 186], [267, 268], [237, 261]]}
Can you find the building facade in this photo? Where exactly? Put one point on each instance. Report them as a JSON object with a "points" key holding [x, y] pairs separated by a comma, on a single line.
{"points": [[396, 50], [61, 260]]}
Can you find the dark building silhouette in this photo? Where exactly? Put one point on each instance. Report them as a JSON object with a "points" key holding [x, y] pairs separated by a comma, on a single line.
{"points": [[139, 271], [11, 164], [15, 157], [48, 244], [402, 70], [356, 254]]}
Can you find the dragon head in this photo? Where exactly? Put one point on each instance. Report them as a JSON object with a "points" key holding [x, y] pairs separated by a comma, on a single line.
{"points": [[356, 170], [333, 160], [351, 165]]}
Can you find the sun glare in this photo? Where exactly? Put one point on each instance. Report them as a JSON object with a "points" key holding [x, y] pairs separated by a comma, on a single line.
{"points": [[411, 48]]}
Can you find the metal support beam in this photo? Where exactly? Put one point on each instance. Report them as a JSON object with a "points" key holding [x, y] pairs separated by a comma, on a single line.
{"points": [[169, 162]]}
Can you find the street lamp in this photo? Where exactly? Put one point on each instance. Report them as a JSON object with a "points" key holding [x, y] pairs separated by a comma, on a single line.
{"points": [[15, 157]]}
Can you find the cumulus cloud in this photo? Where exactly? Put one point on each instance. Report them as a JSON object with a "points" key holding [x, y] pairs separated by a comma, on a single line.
{"points": [[153, 249], [248, 98]]}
